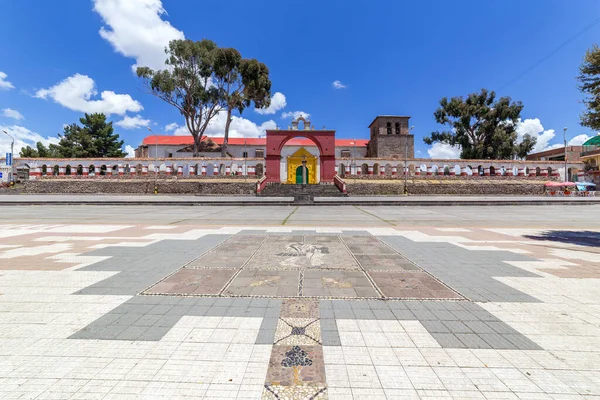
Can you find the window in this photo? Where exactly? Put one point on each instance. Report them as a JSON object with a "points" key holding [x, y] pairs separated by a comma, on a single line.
{"points": [[245, 154], [389, 128], [170, 155], [259, 153], [345, 154], [397, 128]]}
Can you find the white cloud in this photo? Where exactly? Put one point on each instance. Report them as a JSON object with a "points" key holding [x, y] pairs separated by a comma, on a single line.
{"points": [[4, 84], [278, 102], [338, 85], [75, 93], [579, 140], [14, 114], [240, 127], [130, 151], [133, 122], [23, 138], [181, 131], [535, 128], [444, 151], [295, 115], [136, 30], [532, 126], [171, 127]]}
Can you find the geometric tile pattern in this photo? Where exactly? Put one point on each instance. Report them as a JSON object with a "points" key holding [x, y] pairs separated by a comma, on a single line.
{"points": [[474, 274], [443, 324], [315, 313], [308, 265], [296, 368]]}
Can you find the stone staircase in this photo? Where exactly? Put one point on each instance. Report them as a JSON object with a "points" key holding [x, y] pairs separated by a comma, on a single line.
{"points": [[300, 194]]}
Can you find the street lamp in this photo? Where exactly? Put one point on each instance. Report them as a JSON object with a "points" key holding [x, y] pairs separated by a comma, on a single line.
{"points": [[565, 139], [245, 160], [12, 145], [406, 161], [353, 158], [155, 161]]}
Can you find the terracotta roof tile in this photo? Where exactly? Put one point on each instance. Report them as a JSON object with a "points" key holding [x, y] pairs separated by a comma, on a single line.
{"points": [[188, 140]]}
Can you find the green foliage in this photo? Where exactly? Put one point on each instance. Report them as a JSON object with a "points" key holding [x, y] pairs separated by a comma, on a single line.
{"points": [[40, 151], [187, 84], [46, 152], [589, 79], [484, 127], [95, 138], [202, 79], [29, 152], [240, 82]]}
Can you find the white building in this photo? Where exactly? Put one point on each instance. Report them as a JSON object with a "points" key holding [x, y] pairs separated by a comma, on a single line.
{"points": [[181, 147]]}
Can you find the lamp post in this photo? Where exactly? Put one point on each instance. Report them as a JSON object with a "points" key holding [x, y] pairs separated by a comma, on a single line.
{"points": [[304, 172], [565, 139], [353, 158], [406, 162], [12, 145], [155, 162], [245, 160]]}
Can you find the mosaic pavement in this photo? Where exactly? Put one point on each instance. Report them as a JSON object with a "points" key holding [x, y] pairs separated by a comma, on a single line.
{"points": [[129, 311]]}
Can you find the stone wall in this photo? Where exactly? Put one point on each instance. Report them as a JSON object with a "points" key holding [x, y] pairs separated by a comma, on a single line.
{"points": [[440, 187], [230, 187], [382, 144], [394, 145], [139, 186], [398, 179]]}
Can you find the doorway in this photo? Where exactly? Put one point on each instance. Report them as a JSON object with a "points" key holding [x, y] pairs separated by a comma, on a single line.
{"points": [[299, 174]]}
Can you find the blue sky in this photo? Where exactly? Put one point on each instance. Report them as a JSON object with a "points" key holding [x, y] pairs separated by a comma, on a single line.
{"points": [[65, 57]]}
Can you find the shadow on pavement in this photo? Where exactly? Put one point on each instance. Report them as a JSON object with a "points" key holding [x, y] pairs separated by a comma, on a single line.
{"points": [[581, 238]]}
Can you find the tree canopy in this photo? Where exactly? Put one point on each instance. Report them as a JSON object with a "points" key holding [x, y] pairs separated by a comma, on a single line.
{"points": [[187, 84], [202, 80], [589, 79], [38, 151], [241, 82], [94, 139], [484, 127]]}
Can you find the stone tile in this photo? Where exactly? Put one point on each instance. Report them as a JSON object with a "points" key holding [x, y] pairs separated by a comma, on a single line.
{"points": [[285, 253], [300, 308], [472, 273], [276, 392], [264, 283], [337, 284], [298, 332], [448, 340], [472, 341], [374, 247], [220, 259], [385, 262], [296, 365], [415, 285], [194, 281]]}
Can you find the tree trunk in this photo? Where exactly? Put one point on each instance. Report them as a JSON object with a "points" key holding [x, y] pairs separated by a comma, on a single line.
{"points": [[226, 137], [196, 146]]}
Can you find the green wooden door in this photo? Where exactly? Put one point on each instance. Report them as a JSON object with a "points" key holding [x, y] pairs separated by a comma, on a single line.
{"points": [[299, 174]]}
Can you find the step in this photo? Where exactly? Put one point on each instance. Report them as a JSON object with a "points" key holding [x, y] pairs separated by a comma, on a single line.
{"points": [[299, 191]]}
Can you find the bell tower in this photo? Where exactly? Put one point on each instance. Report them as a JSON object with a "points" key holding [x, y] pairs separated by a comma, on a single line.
{"points": [[390, 137]]}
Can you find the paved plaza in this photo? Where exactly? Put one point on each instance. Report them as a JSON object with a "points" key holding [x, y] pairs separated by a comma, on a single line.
{"points": [[286, 302]]}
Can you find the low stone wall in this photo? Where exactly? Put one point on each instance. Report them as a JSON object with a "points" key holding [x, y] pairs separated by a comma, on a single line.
{"points": [[433, 187], [229, 187], [162, 176], [120, 186], [470, 178]]}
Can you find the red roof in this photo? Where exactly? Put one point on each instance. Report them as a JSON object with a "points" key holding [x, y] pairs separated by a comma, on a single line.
{"points": [[188, 140]]}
